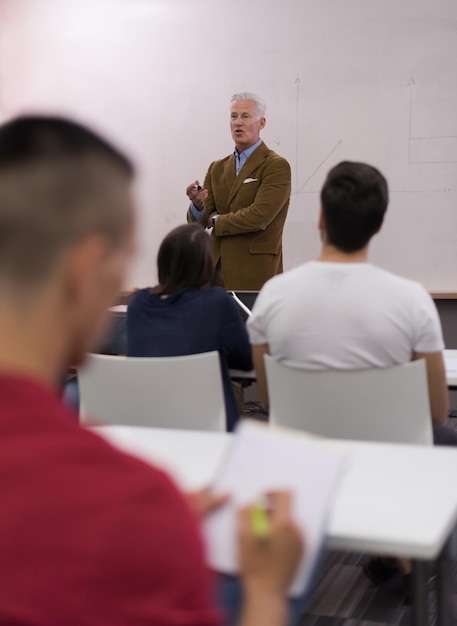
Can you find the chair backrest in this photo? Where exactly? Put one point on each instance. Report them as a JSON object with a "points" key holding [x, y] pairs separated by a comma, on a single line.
{"points": [[169, 392], [390, 405]]}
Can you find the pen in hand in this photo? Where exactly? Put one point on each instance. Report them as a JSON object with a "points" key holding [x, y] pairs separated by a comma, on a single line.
{"points": [[260, 522]]}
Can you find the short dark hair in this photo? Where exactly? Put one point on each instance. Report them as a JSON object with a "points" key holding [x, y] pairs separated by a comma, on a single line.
{"points": [[29, 138], [354, 200], [54, 177], [185, 259]]}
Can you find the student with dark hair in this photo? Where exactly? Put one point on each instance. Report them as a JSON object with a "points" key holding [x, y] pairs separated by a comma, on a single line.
{"points": [[88, 535], [342, 313], [183, 314], [185, 259]]}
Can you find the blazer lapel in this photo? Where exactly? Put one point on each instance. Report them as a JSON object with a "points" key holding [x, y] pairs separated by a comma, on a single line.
{"points": [[251, 164], [230, 172]]}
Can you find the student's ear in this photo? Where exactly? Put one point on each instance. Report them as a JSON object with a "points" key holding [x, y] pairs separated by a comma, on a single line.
{"points": [[83, 268], [321, 221], [90, 284]]}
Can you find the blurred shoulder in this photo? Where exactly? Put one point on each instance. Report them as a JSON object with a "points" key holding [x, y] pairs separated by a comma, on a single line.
{"points": [[220, 162], [404, 286], [139, 297], [276, 159], [216, 294]]}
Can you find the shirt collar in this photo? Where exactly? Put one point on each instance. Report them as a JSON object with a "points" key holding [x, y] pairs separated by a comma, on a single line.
{"points": [[247, 153]]}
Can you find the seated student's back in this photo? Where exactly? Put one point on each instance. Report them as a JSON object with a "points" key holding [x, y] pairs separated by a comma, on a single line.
{"points": [[183, 315], [344, 316], [339, 311]]}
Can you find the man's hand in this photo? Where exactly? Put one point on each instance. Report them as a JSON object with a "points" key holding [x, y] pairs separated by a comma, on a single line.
{"points": [[210, 219], [268, 564], [197, 196], [203, 502]]}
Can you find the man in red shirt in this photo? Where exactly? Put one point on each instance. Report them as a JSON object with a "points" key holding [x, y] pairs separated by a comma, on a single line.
{"points": [[89, 535]]}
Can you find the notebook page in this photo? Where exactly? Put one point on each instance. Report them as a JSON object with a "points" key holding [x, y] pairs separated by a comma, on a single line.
{"points": [[261, 459]]}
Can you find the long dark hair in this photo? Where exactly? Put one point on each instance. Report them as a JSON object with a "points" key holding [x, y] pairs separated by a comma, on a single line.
{"points": [[185, 259]]}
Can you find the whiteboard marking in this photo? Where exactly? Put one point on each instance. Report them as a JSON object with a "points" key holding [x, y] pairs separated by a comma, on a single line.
{"points": [[320, 165], [425, 161], [434, 137]]}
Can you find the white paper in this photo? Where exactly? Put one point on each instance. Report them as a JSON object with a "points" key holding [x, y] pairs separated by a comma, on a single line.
{"points": [[261, 459]]}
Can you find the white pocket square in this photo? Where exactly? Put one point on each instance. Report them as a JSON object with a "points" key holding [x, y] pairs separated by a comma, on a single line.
{"points": [[249, 180]]}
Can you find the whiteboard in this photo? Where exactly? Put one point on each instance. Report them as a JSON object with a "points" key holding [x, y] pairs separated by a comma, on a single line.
{"points": [[368, 80]]}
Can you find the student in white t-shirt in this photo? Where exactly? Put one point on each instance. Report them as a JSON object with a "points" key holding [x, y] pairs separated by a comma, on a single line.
{"points": [[340, 312]]}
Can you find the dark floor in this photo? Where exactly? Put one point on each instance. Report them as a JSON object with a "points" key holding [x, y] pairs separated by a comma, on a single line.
{"points": [[344, 597]]}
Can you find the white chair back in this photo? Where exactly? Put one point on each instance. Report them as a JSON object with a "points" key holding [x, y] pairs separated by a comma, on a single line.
{"points": [[170, 392], [390, 405]]}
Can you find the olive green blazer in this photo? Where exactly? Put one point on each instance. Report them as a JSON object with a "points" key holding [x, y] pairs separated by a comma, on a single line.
{"points": [[252, 208]]}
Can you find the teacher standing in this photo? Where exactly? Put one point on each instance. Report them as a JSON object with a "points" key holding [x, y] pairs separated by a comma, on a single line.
{"points": [[244, 199]]}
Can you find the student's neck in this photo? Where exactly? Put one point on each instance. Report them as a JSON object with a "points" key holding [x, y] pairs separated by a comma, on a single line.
{"points": [[30, 346], [330, 254]]}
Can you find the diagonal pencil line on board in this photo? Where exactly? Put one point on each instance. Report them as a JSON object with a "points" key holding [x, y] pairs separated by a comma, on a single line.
{"points": [[320, 165]]}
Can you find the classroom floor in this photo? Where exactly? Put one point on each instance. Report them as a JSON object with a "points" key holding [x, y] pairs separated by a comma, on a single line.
{"points": [[343, 596]]}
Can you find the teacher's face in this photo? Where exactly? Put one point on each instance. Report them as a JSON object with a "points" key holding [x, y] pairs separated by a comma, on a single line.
{"points": [[244, 124]]}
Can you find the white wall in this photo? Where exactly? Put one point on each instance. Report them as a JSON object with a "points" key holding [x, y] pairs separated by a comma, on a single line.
{"points": [[346, 79]]}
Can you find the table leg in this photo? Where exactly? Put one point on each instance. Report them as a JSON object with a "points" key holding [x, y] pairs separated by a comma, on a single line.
{"points": [[419, 596], [444, 615]]}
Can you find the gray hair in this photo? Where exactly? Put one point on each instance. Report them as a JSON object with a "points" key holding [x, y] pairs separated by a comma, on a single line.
{"points": [[260, 106]]}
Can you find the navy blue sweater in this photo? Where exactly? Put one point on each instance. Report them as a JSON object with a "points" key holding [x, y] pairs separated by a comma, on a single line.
{"points": [[191, 321]]}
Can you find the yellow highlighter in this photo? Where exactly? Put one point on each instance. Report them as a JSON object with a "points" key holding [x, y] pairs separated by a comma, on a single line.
{"points": [[260, 522]]}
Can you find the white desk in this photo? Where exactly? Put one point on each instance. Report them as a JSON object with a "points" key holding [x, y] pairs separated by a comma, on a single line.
{"points": [[450, 360], [395, 499], [120, 310], [192, 457]]}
